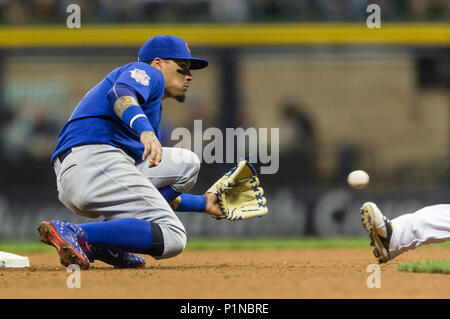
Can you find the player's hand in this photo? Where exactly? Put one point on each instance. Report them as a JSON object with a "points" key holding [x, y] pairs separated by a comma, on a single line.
{"points": [[212, 205], [152, 147]]}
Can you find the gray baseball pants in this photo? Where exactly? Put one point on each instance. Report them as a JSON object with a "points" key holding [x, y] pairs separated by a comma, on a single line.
{"points": [[102, 180], [428, 225]]}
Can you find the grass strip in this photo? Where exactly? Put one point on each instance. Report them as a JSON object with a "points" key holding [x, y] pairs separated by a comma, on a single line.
{"points": [[21, 247], [221, 244], [276, 243], [425, 266], [36, 246]]}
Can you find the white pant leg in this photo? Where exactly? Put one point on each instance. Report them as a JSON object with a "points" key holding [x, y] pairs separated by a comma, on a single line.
{"points": [[178, 168], [101, 180], [428, 225]]}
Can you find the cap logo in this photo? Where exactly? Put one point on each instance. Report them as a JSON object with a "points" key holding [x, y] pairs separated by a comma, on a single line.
{"points": [[140, 76], [188, 48]]}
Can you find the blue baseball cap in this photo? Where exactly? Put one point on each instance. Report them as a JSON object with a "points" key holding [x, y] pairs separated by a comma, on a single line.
{"points": [[169, 47]]}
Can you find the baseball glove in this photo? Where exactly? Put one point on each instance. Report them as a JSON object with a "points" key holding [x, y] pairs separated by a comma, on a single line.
{"points": [[239, 193]]}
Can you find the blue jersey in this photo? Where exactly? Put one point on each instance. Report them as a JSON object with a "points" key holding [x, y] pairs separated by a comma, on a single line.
{"points": [[94, 120]]}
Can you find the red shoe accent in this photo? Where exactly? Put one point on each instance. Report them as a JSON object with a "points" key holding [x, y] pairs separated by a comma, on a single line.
{"points": [[68, 255]]}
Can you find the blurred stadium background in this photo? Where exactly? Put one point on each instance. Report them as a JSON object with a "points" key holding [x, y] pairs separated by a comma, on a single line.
{"points": [[344, 96]]}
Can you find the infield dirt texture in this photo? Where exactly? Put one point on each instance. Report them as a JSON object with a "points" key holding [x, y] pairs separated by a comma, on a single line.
{"points": [[218, 274]]}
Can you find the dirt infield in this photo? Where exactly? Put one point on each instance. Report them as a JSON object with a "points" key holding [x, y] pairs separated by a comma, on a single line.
{"points": [[287, 274]]}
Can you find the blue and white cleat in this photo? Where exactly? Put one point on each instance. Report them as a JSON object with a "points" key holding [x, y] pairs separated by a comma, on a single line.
{"points": [[69, 241], [116, 257], [379, 228]]}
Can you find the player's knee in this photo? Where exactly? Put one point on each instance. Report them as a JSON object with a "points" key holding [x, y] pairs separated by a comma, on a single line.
{"points": [[174, 245], [192, 163], [192, 170], [178, 246], [190, 167]]}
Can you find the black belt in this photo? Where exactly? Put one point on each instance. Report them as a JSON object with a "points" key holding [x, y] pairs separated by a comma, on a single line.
{"points": [[64, 154]]}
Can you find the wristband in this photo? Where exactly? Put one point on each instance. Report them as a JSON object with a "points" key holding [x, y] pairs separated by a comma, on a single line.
{"points": [[136, 119], [189, 202]]}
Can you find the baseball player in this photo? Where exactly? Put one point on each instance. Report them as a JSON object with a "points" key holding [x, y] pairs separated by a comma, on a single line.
{"points": [[109, 162], [390, 238]]}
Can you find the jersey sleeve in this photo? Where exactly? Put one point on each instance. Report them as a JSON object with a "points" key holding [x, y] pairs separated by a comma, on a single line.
{"points": [[142, 78]]}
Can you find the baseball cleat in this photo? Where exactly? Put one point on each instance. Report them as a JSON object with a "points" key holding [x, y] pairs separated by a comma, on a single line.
{"points": [[68, 239], [116, 257], [379, 229]]}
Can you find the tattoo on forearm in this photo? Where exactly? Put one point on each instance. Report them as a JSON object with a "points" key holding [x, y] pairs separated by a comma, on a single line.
{"points": [[122, 103]]}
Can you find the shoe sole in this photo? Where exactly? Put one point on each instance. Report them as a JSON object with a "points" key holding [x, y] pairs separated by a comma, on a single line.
{"points": [[368, 220], [68, 255]]}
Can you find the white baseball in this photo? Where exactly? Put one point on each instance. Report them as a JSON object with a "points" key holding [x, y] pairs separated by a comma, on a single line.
{"points": [[358, 179]]}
